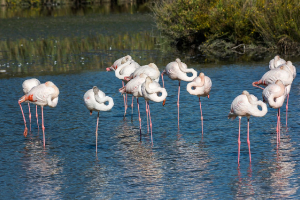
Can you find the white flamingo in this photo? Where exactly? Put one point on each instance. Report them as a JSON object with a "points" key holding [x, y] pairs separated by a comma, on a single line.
{"points": [[150, 70], [200, 87], [246, 105], [134, 87], [94, 100], [275, 95], [43, 95], [123, 67], [276, 62], [27, 86], [178, 71], [152, 91]]}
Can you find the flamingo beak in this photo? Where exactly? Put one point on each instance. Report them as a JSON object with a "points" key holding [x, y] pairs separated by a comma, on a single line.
{"points": [[108, 69], [164, 102], [91, 112]]}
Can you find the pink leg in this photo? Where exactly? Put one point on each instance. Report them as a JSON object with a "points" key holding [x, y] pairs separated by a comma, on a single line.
{"points": [[43, 127], [29, 116], [201, 115], [248, 141], [150, 122], [147, 116], [162, 78], [25, 130], [258, 82], [97, 132], [140, 120], [125, 103], [239, 141], [278, 125], [178, 102], [37, 117], [287, 106]]}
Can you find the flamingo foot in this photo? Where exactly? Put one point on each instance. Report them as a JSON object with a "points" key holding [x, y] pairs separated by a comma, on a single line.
{"points": [[25, 131]]}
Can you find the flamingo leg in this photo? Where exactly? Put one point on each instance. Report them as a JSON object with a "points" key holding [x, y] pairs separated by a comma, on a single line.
{"points": [[287, 106], [147, 111], [162, 78], [258, 82], [37, 117], [150, 122], [178, 102], [239, 140], [140, 120], [125, 103], [248, 140], [201, 116], [43, 127], [29, 116], [278, 125], [97, 132], [25, 130]]}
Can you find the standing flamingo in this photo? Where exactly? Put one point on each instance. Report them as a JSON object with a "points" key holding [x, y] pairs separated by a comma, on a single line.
{"points": [[94, 100], [42, 95], [246, 105], [275, 95], [124, 67], [150, 90], [27, 86], [201, 87], [150, 70], [276, 62], [178, 71], [282, 73], [134, 87]]}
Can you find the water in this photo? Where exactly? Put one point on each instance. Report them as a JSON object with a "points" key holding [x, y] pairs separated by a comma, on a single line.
{"points": [[181, 164]]}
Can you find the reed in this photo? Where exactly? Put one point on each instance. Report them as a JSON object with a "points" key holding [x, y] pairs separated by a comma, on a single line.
{"points": [[251, 22]]}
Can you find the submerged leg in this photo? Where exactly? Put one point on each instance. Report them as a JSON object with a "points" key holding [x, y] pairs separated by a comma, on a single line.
{"points": [[29, 116], [25, 130]]}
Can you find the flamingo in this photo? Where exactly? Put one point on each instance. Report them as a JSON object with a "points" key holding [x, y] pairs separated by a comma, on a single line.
{"points": [[201, 87], [94, 100], [178, 71], [150, 90], [27, 86], [275, 94], [276, 62], [246, 105], [283, 73], [43, 95], [134, 87], [150, 70], [124, 67]]}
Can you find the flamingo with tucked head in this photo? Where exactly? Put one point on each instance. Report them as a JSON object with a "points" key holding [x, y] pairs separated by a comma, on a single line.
{"points": [[246, 105], [124, 67], [274, 94], [178, 71], [152, 91], [200, 87], [276, 62], [94, 100], [27, 86], [43, 95]]}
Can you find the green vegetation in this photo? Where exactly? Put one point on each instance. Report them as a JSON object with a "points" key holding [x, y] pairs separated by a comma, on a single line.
{"points": [[228, 23]]}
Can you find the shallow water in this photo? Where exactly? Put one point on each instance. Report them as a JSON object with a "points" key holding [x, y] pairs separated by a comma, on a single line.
{"points": [[181, 164]]}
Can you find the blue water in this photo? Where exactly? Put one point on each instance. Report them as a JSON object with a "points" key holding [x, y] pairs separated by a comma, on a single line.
{"points": [[181, 164]]}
